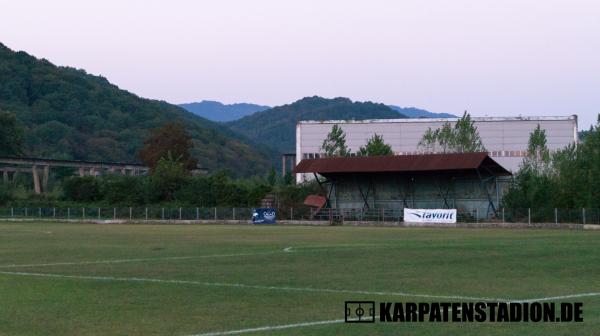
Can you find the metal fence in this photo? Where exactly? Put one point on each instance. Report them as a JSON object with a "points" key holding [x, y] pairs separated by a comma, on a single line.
{"points": [[557, 216]]}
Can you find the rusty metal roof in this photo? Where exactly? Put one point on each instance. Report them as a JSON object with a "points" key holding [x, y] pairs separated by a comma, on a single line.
{"points": [[401, 163]]}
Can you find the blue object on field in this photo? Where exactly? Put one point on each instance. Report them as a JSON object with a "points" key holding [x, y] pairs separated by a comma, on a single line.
{"points": [[263, 216]]}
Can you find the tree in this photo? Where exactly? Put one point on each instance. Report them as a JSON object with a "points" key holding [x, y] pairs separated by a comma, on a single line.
{"points": [[335, 143], [11, 135], [462, 138], [538, 155], [375, 146], [171, 138], [168, 176]]}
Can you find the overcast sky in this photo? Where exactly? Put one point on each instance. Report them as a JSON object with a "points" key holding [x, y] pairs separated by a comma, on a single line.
{"points": [[494, 58]]}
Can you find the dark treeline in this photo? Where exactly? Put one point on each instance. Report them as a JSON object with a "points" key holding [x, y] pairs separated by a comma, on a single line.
{"points": [[568, 178], [215, 190]]}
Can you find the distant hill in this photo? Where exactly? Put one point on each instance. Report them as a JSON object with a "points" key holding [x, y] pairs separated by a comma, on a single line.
{"points": [[413, 112], [276, 127], [216, 111], [70, 114]]}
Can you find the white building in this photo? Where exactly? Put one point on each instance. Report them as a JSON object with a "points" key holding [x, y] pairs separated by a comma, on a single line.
{"points": [[505, 138]]}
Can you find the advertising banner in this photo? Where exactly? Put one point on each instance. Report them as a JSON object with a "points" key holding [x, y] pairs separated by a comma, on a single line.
{"points": [[263, 216], [430, 215]]}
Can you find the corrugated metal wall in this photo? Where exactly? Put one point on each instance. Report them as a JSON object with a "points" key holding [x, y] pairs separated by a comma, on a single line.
{"points": [[506, 139]]}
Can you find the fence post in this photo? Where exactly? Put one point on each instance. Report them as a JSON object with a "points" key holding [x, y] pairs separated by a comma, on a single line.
{"points": [[68, 213], [40, 212], [146, 213], [215, 213], [382, 214], [54, 212], [12, 212], [583, 213], [83, 213], [291, 213], [555, 216], [233, 213], [163, 213], [197, 213], [114, 213], [330, 216], [99, 211], [529, 216], [130, 213], [503, 218], [477, 215], [25, 212], [179, 213]]}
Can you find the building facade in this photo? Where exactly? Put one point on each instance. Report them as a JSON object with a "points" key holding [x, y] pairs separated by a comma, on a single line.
{"points": [[505, 138]]}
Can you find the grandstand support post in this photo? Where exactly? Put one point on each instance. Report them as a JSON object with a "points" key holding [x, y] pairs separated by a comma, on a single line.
{"points": [[130, 213], [197, 213], [555, 216], [36, 180], [583, 214], [146, 213], [45, 175], [114, 213], [179, 213], [529, 216]]}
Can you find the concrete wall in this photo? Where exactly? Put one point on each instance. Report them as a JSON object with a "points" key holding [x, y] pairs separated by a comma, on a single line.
{"points": [[506, 139]]}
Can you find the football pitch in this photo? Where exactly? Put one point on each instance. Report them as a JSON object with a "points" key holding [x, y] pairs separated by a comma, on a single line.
{"points": [[87, 279]]}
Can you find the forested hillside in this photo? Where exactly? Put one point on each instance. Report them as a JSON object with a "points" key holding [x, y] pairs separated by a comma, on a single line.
{"points": [[276, 127], [67, 113], [216, 111]]}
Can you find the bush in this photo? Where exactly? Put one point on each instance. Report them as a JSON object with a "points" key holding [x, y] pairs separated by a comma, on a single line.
{"points": [[81, 189], [5, 193], [126, 190]]}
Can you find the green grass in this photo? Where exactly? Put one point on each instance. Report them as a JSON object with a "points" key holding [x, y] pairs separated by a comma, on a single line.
{"points": [[509, 264]]}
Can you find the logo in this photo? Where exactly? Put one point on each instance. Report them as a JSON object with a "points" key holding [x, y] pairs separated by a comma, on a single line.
{"points": [[360, 312], [269, 215]]}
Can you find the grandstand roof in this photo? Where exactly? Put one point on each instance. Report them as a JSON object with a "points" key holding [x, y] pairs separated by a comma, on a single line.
{"points": [[401, 163]]}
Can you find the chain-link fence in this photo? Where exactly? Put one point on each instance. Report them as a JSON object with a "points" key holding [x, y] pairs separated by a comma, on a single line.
{"points": [[530, 216]]}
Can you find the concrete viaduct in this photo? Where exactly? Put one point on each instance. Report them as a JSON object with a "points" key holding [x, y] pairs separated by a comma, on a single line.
{"points": [[14, 166]]}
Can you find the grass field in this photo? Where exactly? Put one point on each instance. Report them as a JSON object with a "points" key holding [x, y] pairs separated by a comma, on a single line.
{"points": [[85, 279]]}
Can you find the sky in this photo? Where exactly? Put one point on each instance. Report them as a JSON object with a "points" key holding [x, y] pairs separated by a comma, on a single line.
{"points": [[492, 58]]}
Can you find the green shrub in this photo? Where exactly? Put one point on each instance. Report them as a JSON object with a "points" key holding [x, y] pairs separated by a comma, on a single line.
{"points": [[81, 189]]}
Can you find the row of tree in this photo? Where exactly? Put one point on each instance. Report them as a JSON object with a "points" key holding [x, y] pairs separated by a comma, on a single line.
{"points": [[567, 178], [462, 137]]}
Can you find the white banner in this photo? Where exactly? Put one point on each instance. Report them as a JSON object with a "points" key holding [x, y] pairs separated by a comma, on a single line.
{"points": [[430, 215]]}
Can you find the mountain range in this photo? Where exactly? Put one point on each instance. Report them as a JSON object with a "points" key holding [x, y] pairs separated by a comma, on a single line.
{"points": [[216, 111], [70, 114], [276, 127]]}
